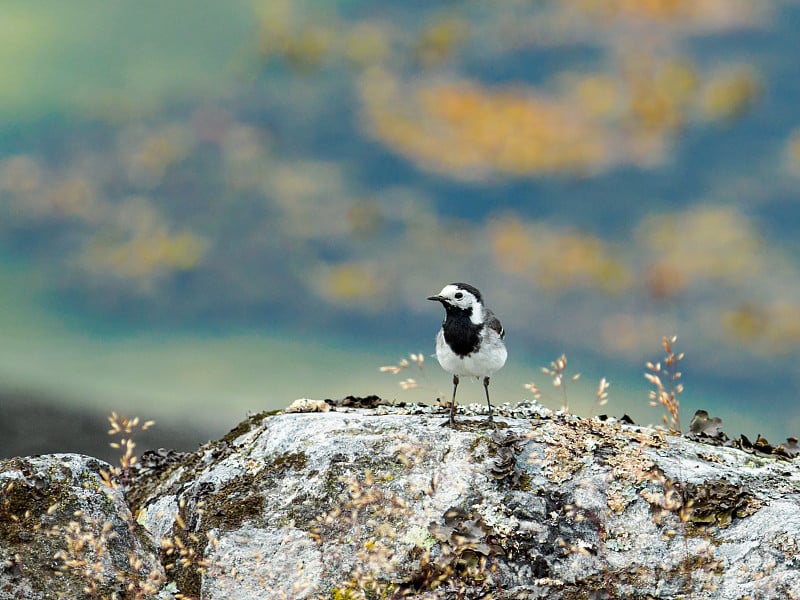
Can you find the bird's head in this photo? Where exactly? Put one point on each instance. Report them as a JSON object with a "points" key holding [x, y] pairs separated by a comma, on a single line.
{"points": [[461, 297]]}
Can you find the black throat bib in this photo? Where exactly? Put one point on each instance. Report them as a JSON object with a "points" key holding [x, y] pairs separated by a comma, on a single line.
{"points": [[461, 334]]}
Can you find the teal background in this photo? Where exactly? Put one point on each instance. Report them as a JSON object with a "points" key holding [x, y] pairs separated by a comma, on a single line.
{"points": [[209, 209]]}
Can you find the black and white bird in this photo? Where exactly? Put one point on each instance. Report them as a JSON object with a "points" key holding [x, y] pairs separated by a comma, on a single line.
{"points": [[470, 342]]}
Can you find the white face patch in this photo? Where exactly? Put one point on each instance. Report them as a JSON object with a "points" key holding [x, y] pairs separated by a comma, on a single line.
{"points": [[477, 313], [463, 299]]}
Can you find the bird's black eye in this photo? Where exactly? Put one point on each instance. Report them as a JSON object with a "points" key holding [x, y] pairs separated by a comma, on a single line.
{"points": [[459, 296]]}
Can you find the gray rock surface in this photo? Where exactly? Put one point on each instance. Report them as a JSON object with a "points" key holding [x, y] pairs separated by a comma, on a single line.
{"points": [[384, 502], [64, 533]]}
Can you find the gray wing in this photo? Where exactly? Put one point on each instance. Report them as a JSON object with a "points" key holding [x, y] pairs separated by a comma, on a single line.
{"points": [[494, 323]]}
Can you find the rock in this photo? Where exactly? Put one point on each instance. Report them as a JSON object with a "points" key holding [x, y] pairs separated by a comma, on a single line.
{"points": [[307, 405], [64, 533], [384, 502]]}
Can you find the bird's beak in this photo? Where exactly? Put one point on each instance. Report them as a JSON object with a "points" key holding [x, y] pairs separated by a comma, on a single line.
{"points": [[435, 298]]}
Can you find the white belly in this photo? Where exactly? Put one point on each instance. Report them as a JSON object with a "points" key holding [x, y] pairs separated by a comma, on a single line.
{"points": [[490, 357]]}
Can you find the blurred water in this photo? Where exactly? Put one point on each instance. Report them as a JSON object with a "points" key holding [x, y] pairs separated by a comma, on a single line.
{"points": [[206, 211], [210, 381]]}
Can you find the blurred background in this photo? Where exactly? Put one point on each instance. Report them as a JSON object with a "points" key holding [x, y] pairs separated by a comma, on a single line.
{"points": [[212, 209]]}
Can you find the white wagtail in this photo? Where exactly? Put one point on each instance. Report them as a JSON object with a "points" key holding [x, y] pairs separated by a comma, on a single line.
{"points": [[470, 341]]}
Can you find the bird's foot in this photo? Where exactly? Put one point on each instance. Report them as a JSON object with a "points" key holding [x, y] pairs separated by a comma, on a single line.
{"points": [[450, 423]]}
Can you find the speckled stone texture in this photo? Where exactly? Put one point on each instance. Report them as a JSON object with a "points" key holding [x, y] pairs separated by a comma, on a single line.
{"points": [[372, 501], [65, 534], [387, 502]]}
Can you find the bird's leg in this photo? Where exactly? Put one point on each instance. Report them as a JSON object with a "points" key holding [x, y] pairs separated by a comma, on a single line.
{"points": [[486, 387], [453, 402]]}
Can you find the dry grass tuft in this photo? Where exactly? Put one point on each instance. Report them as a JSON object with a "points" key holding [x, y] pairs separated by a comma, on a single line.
{"points": [[409, 383], [601, 395], [534, 390], [125, 428], [668, 389], [557, 371], [417, 359], [86, 552], [87, 555]]}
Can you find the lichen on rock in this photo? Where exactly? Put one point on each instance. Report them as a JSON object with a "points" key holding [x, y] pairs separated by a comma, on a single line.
{"points": [[371, 500], [390, 503], [64, 533]]}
